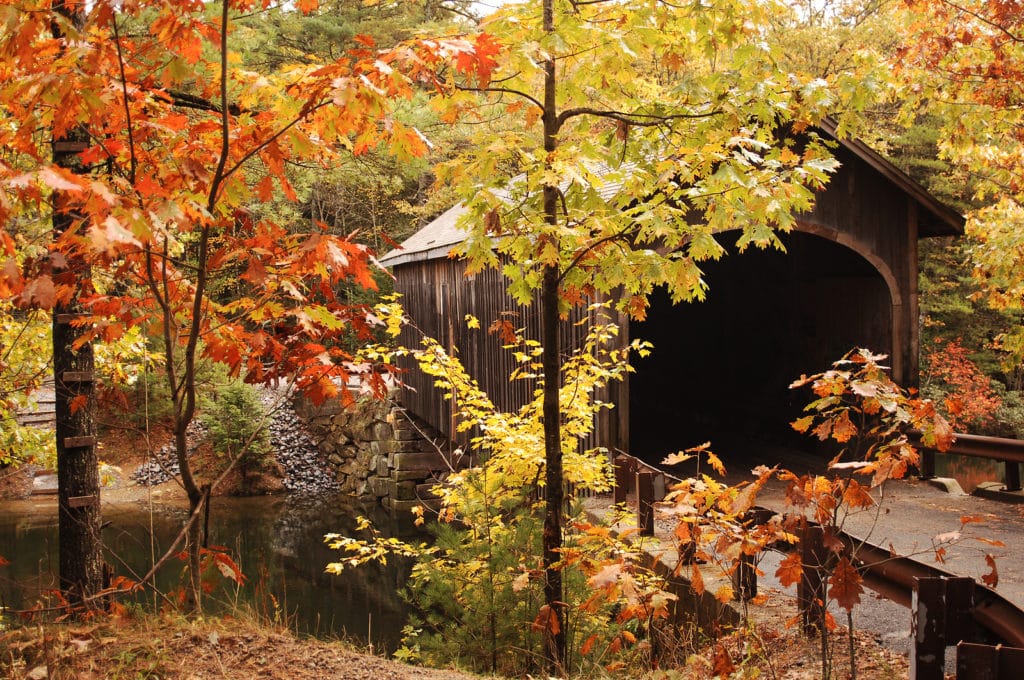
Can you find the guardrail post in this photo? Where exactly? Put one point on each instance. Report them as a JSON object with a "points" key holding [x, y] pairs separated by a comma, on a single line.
{"points": [[926, 466], [744, 576], [645, 502], [623, 475], [927, 623], [940, 615], [810, 592], [1011, 474], [959, 605], [975, 662], [744, 579]]}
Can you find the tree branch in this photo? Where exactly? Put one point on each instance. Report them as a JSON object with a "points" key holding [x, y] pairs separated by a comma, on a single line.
{"points": [[634, 119], [992, 23], [506, 90]]}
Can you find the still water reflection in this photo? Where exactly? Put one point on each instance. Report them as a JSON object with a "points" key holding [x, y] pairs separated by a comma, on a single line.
{"points": [[277, 542]]}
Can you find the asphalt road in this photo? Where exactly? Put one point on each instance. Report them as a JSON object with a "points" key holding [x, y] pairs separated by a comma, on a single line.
{"points": [[916, 518]]}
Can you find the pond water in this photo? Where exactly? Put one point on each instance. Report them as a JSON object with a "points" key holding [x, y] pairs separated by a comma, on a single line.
{"points": [[968, 471], [278, 543]]}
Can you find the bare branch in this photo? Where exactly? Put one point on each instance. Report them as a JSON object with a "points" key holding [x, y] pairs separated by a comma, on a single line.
{"points": [[634, 119]]}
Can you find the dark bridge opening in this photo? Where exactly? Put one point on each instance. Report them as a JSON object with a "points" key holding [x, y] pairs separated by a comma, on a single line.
{"points": [[721, 369]]}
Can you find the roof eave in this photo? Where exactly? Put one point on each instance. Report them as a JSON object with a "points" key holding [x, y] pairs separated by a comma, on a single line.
{"points": [[945, 222]]}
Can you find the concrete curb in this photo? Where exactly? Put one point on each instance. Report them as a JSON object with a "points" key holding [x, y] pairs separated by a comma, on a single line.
{"points": [[996, 491], [947, 484]]}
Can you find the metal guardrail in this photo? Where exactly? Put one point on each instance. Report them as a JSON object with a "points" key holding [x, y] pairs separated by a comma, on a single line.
{"points": [[1010, 452], [896, 578]]}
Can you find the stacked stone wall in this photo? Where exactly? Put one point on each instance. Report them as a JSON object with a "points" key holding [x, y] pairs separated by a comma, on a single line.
{"points": [[377, 450]]}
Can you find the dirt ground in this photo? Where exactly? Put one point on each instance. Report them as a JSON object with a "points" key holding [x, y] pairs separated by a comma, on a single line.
{"points": [[166, 648], [171, 648]]}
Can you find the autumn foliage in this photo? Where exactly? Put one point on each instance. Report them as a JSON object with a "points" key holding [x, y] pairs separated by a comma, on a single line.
{"points": [[964, 61], [180, 143], [969, 399]]}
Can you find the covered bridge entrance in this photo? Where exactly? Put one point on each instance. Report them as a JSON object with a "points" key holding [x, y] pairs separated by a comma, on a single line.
{"points": [[721, 368]]}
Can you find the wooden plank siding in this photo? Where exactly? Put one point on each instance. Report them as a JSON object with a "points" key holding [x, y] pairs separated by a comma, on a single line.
{"points": [[437, 296]]}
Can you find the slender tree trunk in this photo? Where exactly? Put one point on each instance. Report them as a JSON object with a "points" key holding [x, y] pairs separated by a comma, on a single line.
{"points": [[78, 488], [552, 536], [194, 538]]}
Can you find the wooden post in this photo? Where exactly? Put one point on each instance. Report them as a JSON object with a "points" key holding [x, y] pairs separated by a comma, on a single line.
{"points": [[744, 579], [928, 634], [645, 502], [940, 614], [976, 661], [623, 474], [960, 623], [810, 591], [985, 662], [1011, 475], [927, 464]]}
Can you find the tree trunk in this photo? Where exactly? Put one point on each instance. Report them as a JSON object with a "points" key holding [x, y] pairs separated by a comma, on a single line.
{"points": [[78, 488], [195, 537], [552, 536]]}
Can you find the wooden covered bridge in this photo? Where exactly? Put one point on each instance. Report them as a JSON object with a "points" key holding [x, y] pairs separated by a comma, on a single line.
{"points": [[721, 367]]}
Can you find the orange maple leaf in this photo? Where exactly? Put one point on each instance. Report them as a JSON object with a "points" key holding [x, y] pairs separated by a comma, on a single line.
{"points": [[547, 619], [991, 579], [78, 403], [856, 495], [843, 429], [790, 570], [845, 584], [722, 666]]}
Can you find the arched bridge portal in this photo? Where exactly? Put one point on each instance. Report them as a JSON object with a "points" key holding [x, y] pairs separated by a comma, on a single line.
{"points": [[720, 369]]}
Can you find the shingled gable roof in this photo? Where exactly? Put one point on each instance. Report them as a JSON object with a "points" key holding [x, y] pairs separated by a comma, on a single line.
{"points": [[438, 237]]}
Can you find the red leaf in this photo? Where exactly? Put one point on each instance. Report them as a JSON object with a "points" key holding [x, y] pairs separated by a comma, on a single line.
{"points": [[504, 329], [790, 570], [265, 188], [696, 579], [991, 579], [78, 403], [845, 584], [547, 620], [722, 666], [40, 292], [147, 186]]}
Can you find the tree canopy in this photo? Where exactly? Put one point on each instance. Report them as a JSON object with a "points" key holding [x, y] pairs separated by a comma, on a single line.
{"points": [[964, 61]]}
